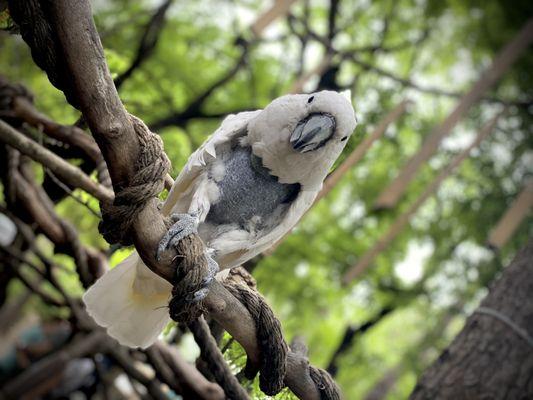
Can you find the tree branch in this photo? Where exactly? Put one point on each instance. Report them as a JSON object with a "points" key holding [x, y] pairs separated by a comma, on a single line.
{"points": [[32, 285], [148, 43], [193, 383], [70, 174], [194, 109], [30, 379], [352, 54], [350, 334]]}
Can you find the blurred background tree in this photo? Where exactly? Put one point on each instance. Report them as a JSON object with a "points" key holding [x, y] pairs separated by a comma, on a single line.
{"points": [[183, 66]]}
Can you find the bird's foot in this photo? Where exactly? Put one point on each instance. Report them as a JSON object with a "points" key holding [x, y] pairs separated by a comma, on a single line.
{"points": [[183, 225], [212, 269]]}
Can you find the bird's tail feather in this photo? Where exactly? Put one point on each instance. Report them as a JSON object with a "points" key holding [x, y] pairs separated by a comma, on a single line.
{"points": [[130, 301]]}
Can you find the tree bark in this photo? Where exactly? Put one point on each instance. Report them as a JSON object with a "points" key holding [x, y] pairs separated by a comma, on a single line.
{"points": [[492, 357]]}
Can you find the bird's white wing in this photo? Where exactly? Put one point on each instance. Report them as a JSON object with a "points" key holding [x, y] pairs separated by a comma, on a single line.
{"points": [[192, 189]]}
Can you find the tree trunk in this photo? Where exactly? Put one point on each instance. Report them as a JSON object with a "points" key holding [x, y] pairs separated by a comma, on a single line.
{"points": [[492, 357]]}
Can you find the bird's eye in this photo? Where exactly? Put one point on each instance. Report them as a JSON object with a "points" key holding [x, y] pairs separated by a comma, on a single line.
{"points": [[310, 99], [344, 138]]}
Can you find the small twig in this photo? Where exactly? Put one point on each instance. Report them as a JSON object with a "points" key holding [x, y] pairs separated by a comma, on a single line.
{"points": [[211, 354], [153, 386], [71, 194], [28, 282], [227, 345]]}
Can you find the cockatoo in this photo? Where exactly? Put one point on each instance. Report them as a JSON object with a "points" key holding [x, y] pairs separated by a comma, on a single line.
{"points": [[241, 191]]}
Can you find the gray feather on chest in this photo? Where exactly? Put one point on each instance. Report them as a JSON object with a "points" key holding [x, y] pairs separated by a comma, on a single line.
{"points": [[247, 190]]}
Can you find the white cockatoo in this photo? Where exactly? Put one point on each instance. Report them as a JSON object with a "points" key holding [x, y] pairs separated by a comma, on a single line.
{"points": [[242, 191]]}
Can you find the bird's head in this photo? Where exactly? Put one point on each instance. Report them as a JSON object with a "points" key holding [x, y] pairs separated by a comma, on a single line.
{"points": [[298, 137]]}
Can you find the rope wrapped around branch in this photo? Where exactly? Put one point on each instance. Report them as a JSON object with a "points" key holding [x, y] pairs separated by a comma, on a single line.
{"points": [[30, 16], [272, 345], [325, 384], [151, 168]]}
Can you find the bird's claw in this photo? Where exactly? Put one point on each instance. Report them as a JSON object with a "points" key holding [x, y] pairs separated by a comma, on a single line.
{"points": [[212, 269], [184, 225]]}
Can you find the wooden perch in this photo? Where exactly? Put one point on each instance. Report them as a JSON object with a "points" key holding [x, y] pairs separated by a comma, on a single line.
{"points": [[501, 63], [277, 10], [366, 260], [512, 218]]}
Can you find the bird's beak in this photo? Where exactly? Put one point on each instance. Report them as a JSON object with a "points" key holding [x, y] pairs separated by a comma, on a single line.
{"points": [[312, 132]]}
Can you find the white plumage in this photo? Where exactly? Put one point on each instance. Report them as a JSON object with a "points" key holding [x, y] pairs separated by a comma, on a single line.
{"points": [[131, 301]]}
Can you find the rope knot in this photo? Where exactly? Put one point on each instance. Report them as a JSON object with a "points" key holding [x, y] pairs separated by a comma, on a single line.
{"points": [[150, 170]]}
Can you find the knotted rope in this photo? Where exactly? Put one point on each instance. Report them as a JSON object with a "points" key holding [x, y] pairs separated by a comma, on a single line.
{"points": [[150, 169], [39, 35], [190, 272], [325, 384], [272, 346], [151, 166]]}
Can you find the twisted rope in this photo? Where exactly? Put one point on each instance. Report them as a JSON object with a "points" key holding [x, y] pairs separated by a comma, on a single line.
{"points": [[325, 384], [272, 346], [191, 270], [30, 16], [148, 182], [151, 168]]}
